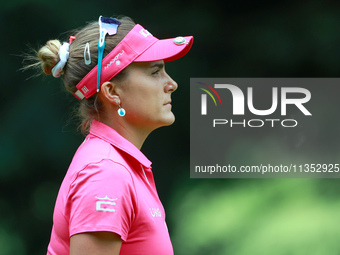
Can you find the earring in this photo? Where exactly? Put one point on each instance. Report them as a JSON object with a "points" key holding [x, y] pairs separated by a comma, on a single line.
{"points": [[121, 111]]}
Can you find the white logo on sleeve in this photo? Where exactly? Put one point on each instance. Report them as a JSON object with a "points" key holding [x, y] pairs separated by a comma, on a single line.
{"points": [[105, 204], [155, 212]]}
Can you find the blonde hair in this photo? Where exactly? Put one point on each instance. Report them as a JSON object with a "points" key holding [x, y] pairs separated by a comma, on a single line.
{"points": [[75, 69]]}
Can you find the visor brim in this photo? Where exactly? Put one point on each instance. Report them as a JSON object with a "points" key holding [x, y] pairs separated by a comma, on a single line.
{"points": [[166, 49]]}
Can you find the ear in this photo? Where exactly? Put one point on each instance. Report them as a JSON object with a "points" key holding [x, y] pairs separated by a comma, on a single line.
{"points": [[109, 92]]}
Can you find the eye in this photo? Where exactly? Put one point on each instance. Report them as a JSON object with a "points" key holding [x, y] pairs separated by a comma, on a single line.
{"points": [[156, 71]]}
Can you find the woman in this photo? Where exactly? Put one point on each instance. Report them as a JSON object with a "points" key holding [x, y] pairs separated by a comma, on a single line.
{"points": [[108, 203]]}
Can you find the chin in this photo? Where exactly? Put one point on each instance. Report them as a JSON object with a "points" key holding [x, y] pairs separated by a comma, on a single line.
{"points": [[171, 119], [167, 121], [170, 122]]}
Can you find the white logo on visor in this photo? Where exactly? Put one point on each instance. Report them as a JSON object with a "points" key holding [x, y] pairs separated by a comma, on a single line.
{"points": [[85, 89], [105, 204], [115, 59], [144, 32]]}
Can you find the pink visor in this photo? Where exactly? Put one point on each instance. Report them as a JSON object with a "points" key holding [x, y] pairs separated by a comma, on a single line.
{"points": [[137, 46]]}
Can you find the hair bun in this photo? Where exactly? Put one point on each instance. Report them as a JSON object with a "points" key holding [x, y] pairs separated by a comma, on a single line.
{"points": [[48, 55]]}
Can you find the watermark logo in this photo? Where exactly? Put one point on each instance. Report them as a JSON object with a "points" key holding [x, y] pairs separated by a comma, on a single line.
{"points": [[241, 102], [204, 97], [264, 127], [239, 99]]}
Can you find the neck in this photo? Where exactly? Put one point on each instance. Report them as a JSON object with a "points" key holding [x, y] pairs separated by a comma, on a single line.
{"points": [[132, 134]]}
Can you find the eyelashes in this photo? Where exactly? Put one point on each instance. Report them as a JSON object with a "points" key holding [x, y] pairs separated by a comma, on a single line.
{"points": [[156, 72]]}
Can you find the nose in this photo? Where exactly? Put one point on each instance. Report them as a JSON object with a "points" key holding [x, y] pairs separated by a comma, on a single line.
{"points": [[170, 85]]}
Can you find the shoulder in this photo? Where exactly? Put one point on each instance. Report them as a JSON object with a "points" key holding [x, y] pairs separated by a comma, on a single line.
{"points": [[98, 162], [105, 169], [105, 174], [97, 153]]}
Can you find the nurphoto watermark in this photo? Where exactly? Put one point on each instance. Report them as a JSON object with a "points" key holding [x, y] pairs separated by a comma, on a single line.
{"points": [[264, 127]]}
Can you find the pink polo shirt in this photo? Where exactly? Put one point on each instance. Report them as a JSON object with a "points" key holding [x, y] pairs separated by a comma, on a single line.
{"points": [[109, 186]]}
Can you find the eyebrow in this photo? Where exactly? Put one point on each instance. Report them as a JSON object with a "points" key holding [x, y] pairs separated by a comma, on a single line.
{"points": [[159, 65]]}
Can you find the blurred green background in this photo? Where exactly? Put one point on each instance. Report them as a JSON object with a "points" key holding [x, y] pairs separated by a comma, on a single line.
{"points": [[232, 39]]}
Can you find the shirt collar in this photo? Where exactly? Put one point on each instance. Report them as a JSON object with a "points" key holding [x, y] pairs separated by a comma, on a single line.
{"points": [[110, 135]]}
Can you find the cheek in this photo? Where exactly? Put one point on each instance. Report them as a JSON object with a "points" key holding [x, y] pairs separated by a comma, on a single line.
{"points": [[138, 107], [142, 99], [137, 102]]}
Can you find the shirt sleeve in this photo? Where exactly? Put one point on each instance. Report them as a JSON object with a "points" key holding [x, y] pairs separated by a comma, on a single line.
{"points": [[102, 198]]}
